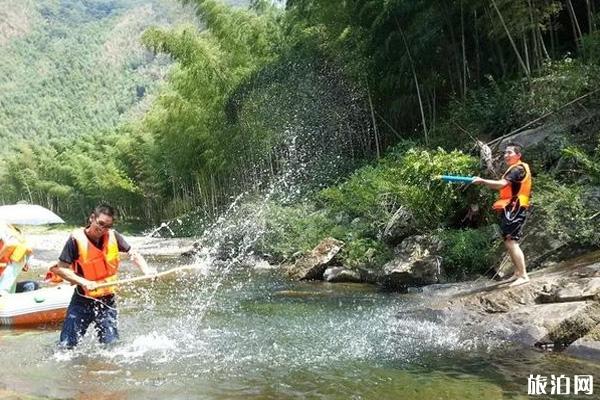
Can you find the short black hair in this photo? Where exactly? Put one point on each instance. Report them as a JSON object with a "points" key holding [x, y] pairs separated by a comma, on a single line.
{"points": [[515, 145], [105, 209]]}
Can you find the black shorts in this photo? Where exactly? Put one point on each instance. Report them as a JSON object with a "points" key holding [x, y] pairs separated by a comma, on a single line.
{"points": [[512, 221]]}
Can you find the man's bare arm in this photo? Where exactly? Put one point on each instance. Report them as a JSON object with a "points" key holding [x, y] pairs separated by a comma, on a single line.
{"points": [[64, 270], [141, 263], [491, 183]]}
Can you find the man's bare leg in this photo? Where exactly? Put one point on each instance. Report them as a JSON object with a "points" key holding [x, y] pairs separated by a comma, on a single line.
{"points": [[518, 259]]}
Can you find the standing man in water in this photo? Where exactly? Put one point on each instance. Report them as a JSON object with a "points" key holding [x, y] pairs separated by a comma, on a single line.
{"points": [[91, 257], [512, 205]]}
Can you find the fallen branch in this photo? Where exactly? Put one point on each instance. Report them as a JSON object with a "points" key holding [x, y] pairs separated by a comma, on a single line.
{"points": [[593, 216]]}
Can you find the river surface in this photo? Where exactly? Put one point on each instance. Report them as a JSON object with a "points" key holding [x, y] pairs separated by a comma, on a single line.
{"points": [[225, 333]]}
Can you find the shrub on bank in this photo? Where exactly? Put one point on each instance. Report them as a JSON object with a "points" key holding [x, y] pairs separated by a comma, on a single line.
{"points": [[557, 83], [468, 252], [358, 210], [407, 180], [588, 164], [295, 229], [365, 253], [570, 212]]}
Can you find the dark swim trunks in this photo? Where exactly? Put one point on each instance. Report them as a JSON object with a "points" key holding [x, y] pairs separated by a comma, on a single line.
{"points": [[512, 221]]}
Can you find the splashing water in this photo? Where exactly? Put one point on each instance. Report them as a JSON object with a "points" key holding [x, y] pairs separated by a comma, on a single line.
{"points": [[262, 336]]}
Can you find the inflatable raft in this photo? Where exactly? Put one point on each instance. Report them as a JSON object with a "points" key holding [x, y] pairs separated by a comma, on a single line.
{"points": [[38, 307]]}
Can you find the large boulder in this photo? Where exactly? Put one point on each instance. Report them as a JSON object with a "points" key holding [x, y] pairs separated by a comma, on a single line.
{"points": [[400, 225], [312, 265], [416, 263], [548, 326], [574, 326]]}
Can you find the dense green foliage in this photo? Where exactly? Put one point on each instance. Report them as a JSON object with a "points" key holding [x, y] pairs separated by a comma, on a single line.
{"points": [[468, 252], [209, 136], [333, 110], [375, 207], [418, 55], [589, 164], [403, 180], [501, 107], [569, 213]]}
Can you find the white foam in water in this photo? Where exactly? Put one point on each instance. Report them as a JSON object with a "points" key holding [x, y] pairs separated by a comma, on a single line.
{"points": [[63, 355], [161, 346]]}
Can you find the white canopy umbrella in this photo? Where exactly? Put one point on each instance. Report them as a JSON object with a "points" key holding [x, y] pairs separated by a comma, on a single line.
{"points": [[28, 214]]}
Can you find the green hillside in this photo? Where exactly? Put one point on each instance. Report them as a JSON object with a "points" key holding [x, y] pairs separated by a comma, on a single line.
{"points": [[68, 68]]}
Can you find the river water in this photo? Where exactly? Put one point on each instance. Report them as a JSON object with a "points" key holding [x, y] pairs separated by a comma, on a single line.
{"points": [[220, 333]]}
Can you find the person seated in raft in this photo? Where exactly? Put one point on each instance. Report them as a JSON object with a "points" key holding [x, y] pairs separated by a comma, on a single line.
{"points": [[512, 205], [15, 254]]}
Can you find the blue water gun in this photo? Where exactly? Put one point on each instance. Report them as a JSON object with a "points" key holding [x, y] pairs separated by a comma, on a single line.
{"points": [[457, 178]]}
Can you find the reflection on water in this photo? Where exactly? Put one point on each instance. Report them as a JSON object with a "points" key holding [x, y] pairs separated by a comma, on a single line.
{"points": [[262, 337]]}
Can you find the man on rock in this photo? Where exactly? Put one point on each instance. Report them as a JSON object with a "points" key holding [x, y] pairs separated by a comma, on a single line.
{"points": [[512, 205]]}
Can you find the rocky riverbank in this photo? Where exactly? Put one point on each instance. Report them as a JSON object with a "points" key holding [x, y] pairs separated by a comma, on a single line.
{"points": [[558, 310]]}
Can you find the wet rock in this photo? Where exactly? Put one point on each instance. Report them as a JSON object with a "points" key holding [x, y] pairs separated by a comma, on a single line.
{"points": [[579, 290], [400, 225], [264, 265], [312, 265], [589, 271], [404, 273], [558, 310], [585, 348], [576, 324], [341, 274], [591, 289], [498, 306], [538, 325], [368, 275], [416, 263], [505, 298], [588, 346]]}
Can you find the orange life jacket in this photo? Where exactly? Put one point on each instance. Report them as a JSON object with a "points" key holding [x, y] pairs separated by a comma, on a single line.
{"points": [[16, 252], [506, 193], [94, 264]]}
